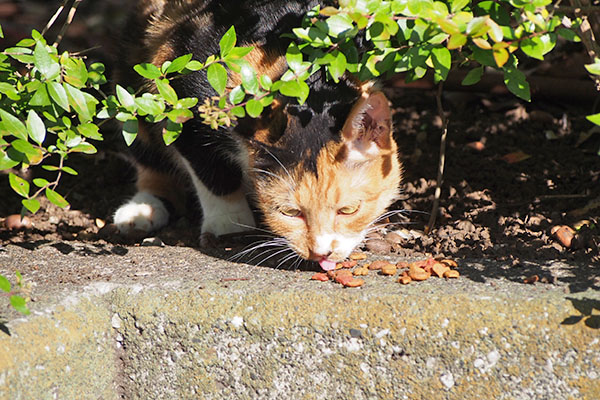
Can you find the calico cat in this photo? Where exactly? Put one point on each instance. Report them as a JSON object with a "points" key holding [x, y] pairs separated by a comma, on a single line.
{"points": [[320, 173]]}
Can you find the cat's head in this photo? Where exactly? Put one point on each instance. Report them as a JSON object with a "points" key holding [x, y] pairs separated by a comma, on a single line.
{"points": [[324, 203]]}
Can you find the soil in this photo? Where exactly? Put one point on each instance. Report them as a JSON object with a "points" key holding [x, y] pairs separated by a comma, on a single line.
{"points": [[513, 172]]}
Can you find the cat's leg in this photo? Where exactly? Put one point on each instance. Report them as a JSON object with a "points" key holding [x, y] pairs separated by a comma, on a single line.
{"points": [[223, 213], [146, 210]]}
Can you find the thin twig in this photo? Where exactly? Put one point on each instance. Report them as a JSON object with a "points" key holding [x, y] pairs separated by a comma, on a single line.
{"points": [[65, 26], [440, 174], [54, 17]]}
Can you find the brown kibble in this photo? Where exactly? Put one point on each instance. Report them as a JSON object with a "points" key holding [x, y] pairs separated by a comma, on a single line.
{"points": [[320, 276], [360, 271], [377, 264], [14, 222], [388, 269], [354, 283], [348, 263], [451, 273], [358, 256], [418, 274], [564, 234], [449, 262], [401, 264], [531, 280], [439, 269], [338, 266], [405, 280]]}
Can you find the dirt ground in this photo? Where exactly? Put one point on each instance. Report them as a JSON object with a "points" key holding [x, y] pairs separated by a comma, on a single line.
{"points": [[514, 171]]}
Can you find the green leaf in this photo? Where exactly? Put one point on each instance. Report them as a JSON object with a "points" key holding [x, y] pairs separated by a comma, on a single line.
{"points": [[40, 182], [227, 42], [40, 97], [473, 76], [442, 61], [254, 108], [19, 304], [1, 33], [533, 47], [337, 67], [56, 198], [130, 130], [4, 284], [59, 95], [217, 77], [12, 125], [32, 205], [166, 91], [457, 5], [147, 70], [76, 73], [125, 98], [43, 61], [249, 81], [5, 161], [293, 56], [24, 147], [568, 34], [516, 82], [338, 24], [238, 111], [594, 118], [148, 105], [180, 115], [171, 132], [9, 90], [178, 64], [236, 95], [265, 82], [194, 65], [78, 101], [89, 130], [35, 127], [19, 185], [86, 148], [457, 40]]}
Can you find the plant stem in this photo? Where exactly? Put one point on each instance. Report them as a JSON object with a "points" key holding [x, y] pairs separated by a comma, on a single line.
{"points": [[442, 160], [67, 23]]}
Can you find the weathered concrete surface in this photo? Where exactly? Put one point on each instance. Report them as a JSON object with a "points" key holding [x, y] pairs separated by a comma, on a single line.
{"points": [[192, 326]]}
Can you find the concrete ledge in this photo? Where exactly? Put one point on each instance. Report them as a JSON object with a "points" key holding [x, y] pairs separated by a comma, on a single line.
{"points": [[279, 335]]}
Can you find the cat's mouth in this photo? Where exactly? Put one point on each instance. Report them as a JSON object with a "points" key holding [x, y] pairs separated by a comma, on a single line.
{"points": [[326, 264]]}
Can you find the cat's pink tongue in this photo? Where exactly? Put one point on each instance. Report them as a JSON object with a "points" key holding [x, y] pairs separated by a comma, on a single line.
{"points": [[326, 264]]}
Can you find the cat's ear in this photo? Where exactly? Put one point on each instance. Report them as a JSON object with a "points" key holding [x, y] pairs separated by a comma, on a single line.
{"points": [[367, 132]]}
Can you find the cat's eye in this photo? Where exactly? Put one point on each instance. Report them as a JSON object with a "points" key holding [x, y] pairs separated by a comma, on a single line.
{"points": [[290, 212], [349, 210]]}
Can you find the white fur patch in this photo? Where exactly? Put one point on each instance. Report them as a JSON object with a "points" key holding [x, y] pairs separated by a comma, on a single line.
{"points": [[221, 214], [143, 212], [344, 244]]}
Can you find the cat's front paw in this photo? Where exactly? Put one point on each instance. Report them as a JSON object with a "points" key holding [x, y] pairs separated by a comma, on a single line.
{"points": [[144, 212], [228, 217]]}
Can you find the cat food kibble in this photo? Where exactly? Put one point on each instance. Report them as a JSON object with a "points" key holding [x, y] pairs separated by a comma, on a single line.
{"points": [[404, 279], [15, 222], [320, 276], [439, 269], [361, 271], [417, 273], [358, 256], [347, 264], [388, 269], [376, 265], [451, 273]]}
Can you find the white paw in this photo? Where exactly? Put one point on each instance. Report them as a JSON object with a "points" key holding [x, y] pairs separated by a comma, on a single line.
{"points": [[225, 217], [143, 212]]}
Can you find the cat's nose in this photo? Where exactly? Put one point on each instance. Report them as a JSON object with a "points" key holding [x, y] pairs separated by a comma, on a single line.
{"points": [[318, 255]]}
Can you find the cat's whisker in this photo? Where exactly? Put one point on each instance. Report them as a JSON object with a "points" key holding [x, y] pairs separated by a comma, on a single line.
{"points": [[279, 162], [256, 246], [269, 173], [273, 255], [275, 246], [286, 258]]}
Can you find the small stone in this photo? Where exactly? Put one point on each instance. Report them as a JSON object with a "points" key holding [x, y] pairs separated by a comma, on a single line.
{"points": [[14, 222], [153, 241], [394, 238], [116, 321], [356, 333], [378, 246], [447, 380]]}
